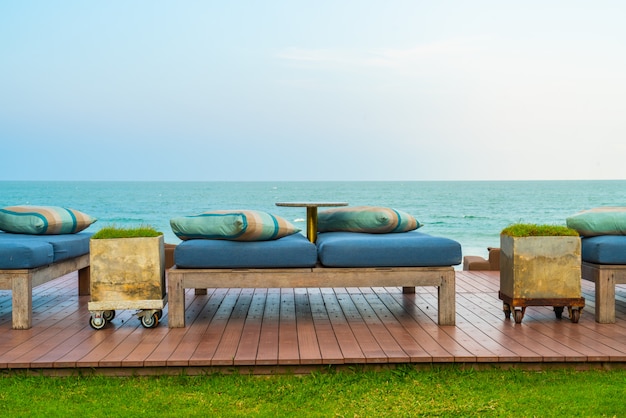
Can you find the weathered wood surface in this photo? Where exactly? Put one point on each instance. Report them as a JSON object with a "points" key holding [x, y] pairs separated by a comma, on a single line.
{"points": [[267, 330], [605, 278], [407, 277], [22, 281]]}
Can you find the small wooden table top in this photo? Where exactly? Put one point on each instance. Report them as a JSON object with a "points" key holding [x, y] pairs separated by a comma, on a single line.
{"points": [[311, 214]]}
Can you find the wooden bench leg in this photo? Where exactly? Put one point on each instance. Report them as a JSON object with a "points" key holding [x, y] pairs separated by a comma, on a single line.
{"points": [[84, 281], [408, 290], [605, 296], [446, 299], [22, 296], [176, 300]]}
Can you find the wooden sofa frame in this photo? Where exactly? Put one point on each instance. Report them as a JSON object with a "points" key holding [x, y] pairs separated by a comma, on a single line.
{"points": [[22, 281], [605, 277], [406, 277]]}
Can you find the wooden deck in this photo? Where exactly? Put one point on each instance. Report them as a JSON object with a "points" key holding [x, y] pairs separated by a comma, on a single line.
{"points": [[298, 330]]}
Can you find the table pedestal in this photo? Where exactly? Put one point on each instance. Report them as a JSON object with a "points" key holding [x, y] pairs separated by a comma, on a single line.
{"points": [[311, 214]]}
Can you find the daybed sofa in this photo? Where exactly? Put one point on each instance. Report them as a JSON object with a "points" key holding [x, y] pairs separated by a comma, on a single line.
{"points": [[337, 259], [39, 244], [603, 254], [604, 263], [27, 261]]}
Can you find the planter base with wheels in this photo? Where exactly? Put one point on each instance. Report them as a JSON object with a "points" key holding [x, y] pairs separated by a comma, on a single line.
{"points": [[150, 311], [127, 273], [517, 306]]}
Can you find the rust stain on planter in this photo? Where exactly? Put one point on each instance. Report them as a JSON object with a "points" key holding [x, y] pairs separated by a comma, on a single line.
{"points": [[127, 269], [540, 267]]}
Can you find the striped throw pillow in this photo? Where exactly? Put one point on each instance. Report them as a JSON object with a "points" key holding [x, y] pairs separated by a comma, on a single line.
{"points": [[234, 225], [43, 220], [370, 219]]}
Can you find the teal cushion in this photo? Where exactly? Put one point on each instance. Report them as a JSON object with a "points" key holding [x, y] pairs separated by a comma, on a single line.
{"points": [[370, 219], [604, 249], [599, 221], [43, 220], [288, 252], [16, 253], [235, 225], [25, 251], [412, 249]]}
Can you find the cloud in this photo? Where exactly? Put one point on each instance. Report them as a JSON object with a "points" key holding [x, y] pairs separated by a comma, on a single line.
{"points": [[398, 58]]}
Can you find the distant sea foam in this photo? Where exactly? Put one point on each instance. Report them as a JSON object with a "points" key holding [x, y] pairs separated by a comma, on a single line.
{"points": [[471, 212]]}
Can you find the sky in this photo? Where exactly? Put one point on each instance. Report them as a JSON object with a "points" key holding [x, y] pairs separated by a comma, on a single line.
{"points": [[312, 90]]}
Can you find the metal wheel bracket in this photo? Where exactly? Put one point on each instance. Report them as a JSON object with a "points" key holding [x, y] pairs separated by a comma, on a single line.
{"points": [[97, 314], [146, 312]]}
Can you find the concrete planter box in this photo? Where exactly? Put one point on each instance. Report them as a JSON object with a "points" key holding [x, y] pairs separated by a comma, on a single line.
{"points": [[127, 273], [540, 270]]}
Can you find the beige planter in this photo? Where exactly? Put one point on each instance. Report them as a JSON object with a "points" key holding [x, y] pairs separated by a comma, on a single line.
{"points": [[540, 270], [127, 273]]}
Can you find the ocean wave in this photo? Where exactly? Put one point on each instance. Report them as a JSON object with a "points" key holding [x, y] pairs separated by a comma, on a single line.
{"points": [[120, 219]]}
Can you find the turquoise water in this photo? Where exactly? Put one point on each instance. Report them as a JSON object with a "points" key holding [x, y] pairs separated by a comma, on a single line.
{"points": [[472, 212]]}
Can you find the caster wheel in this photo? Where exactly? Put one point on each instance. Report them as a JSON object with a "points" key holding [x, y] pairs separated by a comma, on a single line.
{"points": [[558, 312], [159, 314], [507, 311], [97, 323], [108, 315], [574, 315], [150, 321], [519, 314]]}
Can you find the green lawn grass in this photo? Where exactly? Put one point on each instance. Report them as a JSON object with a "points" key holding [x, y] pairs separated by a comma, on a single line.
{"points": [[404, 391]]}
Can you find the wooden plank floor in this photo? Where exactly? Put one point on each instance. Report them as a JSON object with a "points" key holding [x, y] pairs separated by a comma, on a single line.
{"points": [[268, 330]]}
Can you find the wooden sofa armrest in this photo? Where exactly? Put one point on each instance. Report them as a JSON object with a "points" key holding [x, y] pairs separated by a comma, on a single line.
{"points": [[494, 258], [474, 262]]}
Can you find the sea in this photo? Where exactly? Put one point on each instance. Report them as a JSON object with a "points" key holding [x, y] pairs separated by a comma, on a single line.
{"points": [[470, 212]]}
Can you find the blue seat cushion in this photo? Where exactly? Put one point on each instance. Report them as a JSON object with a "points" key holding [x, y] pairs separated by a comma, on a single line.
{"points": [[604, 249], [290, 251], [24, 251], [24, 254], [406, 249], [69, 245]]}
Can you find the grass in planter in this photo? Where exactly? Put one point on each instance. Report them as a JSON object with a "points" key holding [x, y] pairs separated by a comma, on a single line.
{"points": [[110, 232], [534, 230], [403, 391]]}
